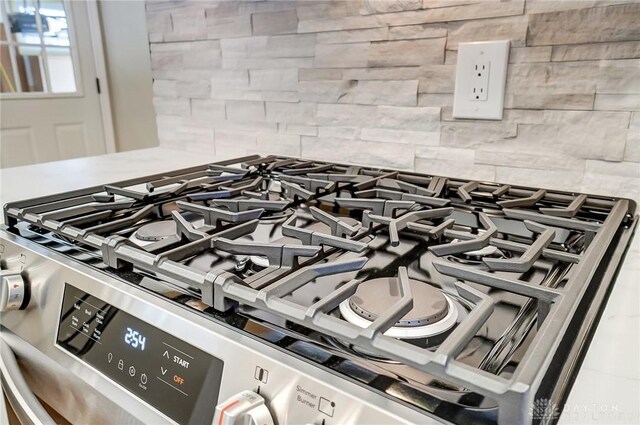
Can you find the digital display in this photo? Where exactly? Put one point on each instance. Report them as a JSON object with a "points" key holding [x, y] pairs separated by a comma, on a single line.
{"points": [[176, 378], [135, 339]]}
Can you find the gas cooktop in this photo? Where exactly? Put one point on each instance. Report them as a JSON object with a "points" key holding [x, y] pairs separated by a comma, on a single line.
{"points": [[465, 301]]}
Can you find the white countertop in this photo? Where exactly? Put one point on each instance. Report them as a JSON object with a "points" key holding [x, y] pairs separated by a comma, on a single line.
{"points": [[607, 388], [31, 181]]}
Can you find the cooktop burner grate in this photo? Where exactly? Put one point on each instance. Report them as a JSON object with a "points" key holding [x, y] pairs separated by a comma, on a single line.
{"points": [[487, 281]]}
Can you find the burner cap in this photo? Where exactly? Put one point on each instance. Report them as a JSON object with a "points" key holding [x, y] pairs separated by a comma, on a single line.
{"points": [[374, 297], [432, 314], [156, 231]]}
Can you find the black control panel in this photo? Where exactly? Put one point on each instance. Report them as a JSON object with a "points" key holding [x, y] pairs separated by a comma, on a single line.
{"points": [[176, 378]]}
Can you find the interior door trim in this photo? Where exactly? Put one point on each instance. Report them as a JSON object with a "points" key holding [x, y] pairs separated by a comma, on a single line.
{"points": [[95, 28]]}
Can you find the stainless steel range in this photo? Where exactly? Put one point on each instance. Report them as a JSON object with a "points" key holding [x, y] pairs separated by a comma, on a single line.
{"points": [[271, 290]]}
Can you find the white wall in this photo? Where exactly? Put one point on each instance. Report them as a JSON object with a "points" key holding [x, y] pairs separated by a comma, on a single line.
{"points": [[129, 69]]}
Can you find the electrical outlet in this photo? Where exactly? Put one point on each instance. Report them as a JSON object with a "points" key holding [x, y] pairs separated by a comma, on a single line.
{"points": [[481, 75], [480, 81]]}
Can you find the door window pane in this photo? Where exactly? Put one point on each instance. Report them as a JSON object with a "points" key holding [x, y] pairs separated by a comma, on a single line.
{"points": [[23, 25], [60, 67], [4, 29], [7, 82], [30, 68], [57, 32], [37, 52]]}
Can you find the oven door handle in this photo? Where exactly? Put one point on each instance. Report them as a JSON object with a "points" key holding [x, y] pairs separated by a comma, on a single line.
{"points": [[24, 403]]}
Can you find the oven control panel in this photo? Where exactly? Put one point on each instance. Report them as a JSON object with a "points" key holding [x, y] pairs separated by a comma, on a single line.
{"points": [[159, 368]]}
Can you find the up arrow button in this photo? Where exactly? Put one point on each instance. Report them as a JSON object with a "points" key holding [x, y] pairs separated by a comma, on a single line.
{"points": [[166, 354]]}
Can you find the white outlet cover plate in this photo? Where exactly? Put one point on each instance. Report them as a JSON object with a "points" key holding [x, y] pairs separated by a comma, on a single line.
{"points": [[494, 53]]}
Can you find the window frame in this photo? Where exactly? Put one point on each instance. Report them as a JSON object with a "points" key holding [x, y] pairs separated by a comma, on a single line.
{"points": [[13, 46]]}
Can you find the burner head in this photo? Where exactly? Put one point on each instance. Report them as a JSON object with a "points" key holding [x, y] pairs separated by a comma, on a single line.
{"points": [[156, 231], [433, 312], [374, 297]]}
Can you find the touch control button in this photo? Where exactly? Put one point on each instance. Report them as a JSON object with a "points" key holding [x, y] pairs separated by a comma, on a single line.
{"points": [[143, 378], [132, 371], [326, 406], [180, 361], [261, 374]]}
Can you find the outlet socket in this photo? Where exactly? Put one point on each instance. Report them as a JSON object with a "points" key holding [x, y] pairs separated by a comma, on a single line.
{"points": [[480, 81], [481, 75]]}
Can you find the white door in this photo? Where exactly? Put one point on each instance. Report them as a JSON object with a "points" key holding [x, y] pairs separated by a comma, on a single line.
{"points": [[49, 99]]}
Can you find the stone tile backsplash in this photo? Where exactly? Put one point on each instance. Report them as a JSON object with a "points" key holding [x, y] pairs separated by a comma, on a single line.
{"points": [[371, 82]]}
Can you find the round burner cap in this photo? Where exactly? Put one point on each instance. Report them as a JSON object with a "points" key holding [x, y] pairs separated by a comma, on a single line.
{"points": [[374, 297], [156, 231]]}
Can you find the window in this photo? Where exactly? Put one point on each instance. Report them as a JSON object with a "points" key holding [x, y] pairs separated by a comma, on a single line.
{"points": [[36, 52]]}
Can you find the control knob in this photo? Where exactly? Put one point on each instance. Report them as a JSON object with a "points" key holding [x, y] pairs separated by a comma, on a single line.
{"points": [[245, 408], [12, 290]]}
